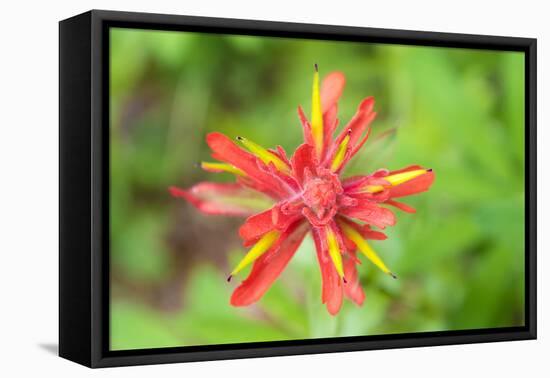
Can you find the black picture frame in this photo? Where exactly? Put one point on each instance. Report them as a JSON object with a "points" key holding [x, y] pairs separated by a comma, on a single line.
{"points": [[84, 183]]}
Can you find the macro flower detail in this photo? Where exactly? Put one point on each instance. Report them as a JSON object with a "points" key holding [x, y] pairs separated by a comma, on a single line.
{"points": [[307, 193]]}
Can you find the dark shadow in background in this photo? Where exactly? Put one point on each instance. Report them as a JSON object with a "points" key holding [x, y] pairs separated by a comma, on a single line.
{"points": [[50, 348]]}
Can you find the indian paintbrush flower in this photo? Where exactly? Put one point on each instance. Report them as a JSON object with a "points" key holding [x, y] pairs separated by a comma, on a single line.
{"points": [[308, 193]]}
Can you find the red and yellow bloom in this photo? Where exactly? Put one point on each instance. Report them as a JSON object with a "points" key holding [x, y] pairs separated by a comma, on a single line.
{"points": [[308, 194]]}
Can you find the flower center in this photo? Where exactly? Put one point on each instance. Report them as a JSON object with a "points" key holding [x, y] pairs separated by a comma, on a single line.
{"points": [[321, 193]]}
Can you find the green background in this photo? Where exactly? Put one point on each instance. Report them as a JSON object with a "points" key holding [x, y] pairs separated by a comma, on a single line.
{"points": [[460, 258]]}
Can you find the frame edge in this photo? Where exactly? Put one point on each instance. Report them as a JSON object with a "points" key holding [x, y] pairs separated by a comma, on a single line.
{"points": [[99, 359], [75, 275]]}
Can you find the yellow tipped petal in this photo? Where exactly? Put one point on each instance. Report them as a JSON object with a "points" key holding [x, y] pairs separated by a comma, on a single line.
{"points": [[257, 250], [365, 248], [264, 155], [374, 188], [340, 153], [396, 179], [221, 167], [334, 252], [316, 114], [400, 178]]}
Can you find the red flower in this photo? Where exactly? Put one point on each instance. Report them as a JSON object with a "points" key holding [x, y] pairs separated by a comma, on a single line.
{"points": [[308, 194]]}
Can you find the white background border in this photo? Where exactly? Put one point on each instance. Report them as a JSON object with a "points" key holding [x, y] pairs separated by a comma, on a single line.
{"points": [[29, 187]]}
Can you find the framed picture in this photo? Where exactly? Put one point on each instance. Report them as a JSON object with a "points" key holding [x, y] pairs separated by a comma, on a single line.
{"points": [[234, 188]]}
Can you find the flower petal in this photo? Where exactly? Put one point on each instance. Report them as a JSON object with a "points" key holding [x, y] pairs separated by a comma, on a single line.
{"points": [[417, 185], [317, 115], [259, 248], [225, 150], [285, 179], [223, 199], [284, 214], [303, 158], [359, 122], [267, 156], [364, 229], [332, 291], [354, 236], [370, 213], [331, 89], [352, 288], [221, 167], [255, 226], [306, 127], [269, 266], [401, 206], [281, 153], [330, 121], [259, 224]]}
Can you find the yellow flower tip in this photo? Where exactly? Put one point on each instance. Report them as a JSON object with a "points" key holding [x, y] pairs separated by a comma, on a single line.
{"points": [[316, 67], [400, 178], [261, 247], [344, 279], [373, 188], [397, 179], [340, 154], [229, 278], [335, 253], [316, 113], [221, 167], [264, 155], [206, 165], [365, 248]]}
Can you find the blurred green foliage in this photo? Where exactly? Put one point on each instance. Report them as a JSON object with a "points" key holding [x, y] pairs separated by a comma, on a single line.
{"points": [[460, 258]]}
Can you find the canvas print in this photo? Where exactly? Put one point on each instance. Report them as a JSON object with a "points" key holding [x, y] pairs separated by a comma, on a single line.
{"points": [[270, 189]]}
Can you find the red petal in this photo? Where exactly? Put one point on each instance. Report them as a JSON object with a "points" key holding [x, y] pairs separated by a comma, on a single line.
{"points": [[225, 150], [275, 218], [224, 199], [417, 185], [360, 144], [353, 183], [308, 139], [364, 229], [356, 185], [281, 153], [255, 226], [353, 289], [332, 291], [360, 125], [350, 246], [330, 122], [372, 235], [370, 213], [303, 158], [331, 89], [269, 266], [282, 217], [314, 219], [360, 121], [286, 181], [406, 169], [359, 183], [401, 206], [258, 186]]}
